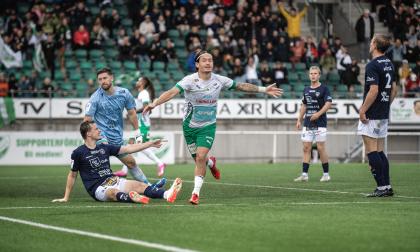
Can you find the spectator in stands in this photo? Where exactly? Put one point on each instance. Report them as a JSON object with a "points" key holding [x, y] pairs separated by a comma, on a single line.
{"points": [[106, 21], [24, 87], [280, 74], [365, 28], [81, 38], [49, 47], [115, 19], [63, 38], [19, 42], [155, 51], [350, 74], [311, 52], [283, 50], [51, 22], [47, 89], [269, 54], [412, 86], [293, 20], [327, 62], [323, 46], [181, 21], [239, 26], [79, 14], [251, 74], [208, 17], [141, 50], [342, 58], [298, 51], [98, 34], [239, 48], [147, 27], [125, 49], [91, 87], [411, 43], [404, 72], [12, 85], [190, 36], [397, 51], [161, 27], [416, 69], [12, 22], [237, 70], [266, 74], [4, 86]]}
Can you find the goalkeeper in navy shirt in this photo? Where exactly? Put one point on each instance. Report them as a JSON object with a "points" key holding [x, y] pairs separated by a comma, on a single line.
{"points": [[92, 161], [380, 90], [313, 113]]}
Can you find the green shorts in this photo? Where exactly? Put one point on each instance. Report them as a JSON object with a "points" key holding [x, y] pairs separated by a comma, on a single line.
{"points": [[199, 137], [145, 133]]}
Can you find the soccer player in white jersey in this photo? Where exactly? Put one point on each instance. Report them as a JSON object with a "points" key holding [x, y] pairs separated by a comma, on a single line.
{"points": [[146, 94], [201, 91]]}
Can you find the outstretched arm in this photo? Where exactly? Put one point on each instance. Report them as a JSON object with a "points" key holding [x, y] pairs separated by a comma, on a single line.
{"points": [[71, 178], [131, 148], [271, 90], [166, 96]]}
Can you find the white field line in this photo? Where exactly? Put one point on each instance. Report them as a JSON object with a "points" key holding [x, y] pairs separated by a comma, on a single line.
{"points": [[98, 235], [274, 204]]}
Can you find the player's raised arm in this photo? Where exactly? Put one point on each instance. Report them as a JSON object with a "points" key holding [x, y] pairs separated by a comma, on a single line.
{"points": [[71, 178], [166, 96], [132, 148], [271, 90]]}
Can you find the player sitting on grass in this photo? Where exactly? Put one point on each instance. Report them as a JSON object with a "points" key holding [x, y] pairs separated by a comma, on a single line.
{"points": [[92, 161]]}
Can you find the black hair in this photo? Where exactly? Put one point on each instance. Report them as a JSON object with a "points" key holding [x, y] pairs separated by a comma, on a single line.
{"points": [[199, 53], [85, 127], [149, 87], [104, 70]]}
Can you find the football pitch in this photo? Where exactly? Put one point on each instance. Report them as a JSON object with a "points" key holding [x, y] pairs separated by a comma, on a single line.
{"points": [[254, 207]]}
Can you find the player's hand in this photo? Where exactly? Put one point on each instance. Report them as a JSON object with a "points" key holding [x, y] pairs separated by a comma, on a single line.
{"points": [[298, 125], [63, 200], [157, 143], [148, 108], [273, 90], [362, 117], [314, 117]]}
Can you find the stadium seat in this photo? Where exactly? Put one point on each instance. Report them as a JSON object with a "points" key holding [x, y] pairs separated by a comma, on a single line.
{"points": [[75, 77], [70, 64], [130, 65], [333, 77], [27, 64], [99, 65], [68, 54], [96, 54], [127, 23], [158, 66], [358, 88], [115, 65], [94, 10], [288, 66], [58, 75], [111, 53], [80, 54], [286, 88], [173, 34], [299, 88], [293, 77], [85, 65], [300, 67]]}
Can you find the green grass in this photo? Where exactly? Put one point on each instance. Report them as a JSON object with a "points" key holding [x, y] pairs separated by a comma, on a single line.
{"points": [[255, 207]]}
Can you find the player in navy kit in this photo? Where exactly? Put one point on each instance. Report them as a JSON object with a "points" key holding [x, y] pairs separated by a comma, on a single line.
{"points": [[313, 112], [380, 91], [92, 161]]}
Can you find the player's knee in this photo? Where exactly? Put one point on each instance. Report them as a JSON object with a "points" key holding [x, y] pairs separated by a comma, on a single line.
{"points": [[130, 163], [200, 157], [307, 148]]}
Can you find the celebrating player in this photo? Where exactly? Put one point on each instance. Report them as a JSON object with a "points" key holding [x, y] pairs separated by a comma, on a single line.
{"points": [[313, 112], [380, 91], [146, 94], [92, 161], [202, 91], [105, 108]]}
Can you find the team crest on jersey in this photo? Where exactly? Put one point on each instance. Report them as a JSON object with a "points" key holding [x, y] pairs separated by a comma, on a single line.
{"points": [[317, 94], [102, 151], [95, 163]]}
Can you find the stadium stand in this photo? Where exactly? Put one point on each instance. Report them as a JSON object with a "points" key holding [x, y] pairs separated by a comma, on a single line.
{"points": [[119, 34]]}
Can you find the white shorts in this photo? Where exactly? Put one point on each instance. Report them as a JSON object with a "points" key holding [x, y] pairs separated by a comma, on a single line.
{"points": [[111, 182], [316, 135], [374, 128]]}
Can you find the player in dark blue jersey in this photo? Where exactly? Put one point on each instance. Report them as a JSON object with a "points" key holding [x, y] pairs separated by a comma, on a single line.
{"points": [[313, 113], [91, 160], [380, 91]]}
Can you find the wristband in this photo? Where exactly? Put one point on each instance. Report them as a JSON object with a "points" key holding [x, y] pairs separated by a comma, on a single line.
{"points": [[262, 89]]}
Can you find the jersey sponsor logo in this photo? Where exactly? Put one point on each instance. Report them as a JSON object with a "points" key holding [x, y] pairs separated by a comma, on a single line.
{"points": [[102, 151], [385, 97], [383, 60], [387, 68], [370, 78], [201, 101]]}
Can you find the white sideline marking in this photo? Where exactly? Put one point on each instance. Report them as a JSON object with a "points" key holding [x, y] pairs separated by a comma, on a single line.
{"points": [[217, 204], [97, 235]]}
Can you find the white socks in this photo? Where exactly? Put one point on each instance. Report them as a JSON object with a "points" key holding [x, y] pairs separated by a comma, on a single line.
{"points": [[198, 183], [151, 155], [209, 163], [124, 169]]}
